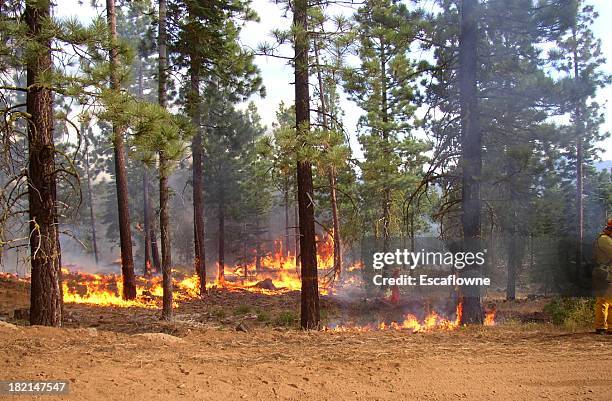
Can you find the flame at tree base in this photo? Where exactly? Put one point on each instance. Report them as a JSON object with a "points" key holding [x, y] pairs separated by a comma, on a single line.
{"points": [[432, 322]]}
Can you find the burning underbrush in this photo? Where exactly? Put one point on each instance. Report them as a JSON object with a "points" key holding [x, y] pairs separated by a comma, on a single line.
{"points": [[95, 300], [412, 316], [272, 273], [106, 289], [267, 283], [359, 315]]}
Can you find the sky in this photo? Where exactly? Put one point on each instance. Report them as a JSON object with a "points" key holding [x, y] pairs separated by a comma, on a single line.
{"points": [[277, 75]]}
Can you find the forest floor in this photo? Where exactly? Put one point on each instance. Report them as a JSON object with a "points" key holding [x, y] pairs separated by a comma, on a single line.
{"points": [[128, 354]]}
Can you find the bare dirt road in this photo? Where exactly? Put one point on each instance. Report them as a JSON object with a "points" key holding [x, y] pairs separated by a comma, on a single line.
{"points": [[495, 363], [113, 353]]}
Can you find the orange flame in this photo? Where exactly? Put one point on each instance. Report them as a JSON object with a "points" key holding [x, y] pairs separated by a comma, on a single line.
{"points": [[489, 319], [105, 290], [432, 322]]}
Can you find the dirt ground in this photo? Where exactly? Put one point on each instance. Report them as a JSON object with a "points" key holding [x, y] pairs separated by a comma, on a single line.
{"points": [[127, 354]]}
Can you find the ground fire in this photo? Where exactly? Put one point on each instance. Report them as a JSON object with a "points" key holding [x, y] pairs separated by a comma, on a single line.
{"points": [[274, 274]]}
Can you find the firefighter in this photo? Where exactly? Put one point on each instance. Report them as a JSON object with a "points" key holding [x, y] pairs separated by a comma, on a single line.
{"points": [[602, 274]]}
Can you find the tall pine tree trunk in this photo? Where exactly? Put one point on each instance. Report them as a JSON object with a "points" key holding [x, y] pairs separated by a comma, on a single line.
{"points": [[197, 176], [46, 282], [516, 250], [516, 244], [336, 224], [287, 249], [471, 148], [148, 268], [412, 232], [331, 175], [92, 215], [221, 237], [164, 224], [385, 136], [579, 162], [164, 171], [125, 234], [309, 315], [296, 235], [154, 248]]}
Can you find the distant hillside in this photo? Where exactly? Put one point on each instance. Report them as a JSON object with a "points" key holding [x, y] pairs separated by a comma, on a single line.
{"points": [[604, 164]]}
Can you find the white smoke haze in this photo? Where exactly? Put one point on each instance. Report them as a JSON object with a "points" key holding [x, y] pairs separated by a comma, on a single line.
{"points": [[74, 257]]}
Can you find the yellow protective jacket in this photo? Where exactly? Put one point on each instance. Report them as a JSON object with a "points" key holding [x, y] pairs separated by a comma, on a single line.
{"points": [[602, 255]]}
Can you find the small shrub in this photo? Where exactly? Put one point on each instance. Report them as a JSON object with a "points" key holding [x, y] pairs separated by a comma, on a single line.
{"points": [[571, 313], [285, 318]]}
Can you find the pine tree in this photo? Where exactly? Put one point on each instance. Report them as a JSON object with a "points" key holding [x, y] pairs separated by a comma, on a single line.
{"points": [[279, 149], [46, 290], [207, 46], [159, 133], [471, 147], [164, 166], [35, 43], [230, 149], [90, 197], [578, 55], [135, 25], [330, 50], [384, 86], [125, 234]]}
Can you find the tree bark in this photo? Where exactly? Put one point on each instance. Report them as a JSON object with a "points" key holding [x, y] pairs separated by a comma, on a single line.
{"points": [[164, 224], [516, 243], [471, 149], [516, 252], [162, 45], [197, 176], [164, 193], [296, 235], [336, 224], [46, 281], [412, 232], [221, 237], [92, 215], [287, 250], [244, 252], [331, 177], [154, 248], [148, 269], [579, 163], [125, 234], [309, 316], [385, 136]]}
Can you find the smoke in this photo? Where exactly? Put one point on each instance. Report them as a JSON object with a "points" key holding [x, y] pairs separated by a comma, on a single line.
{"points": [[76, 257]]}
